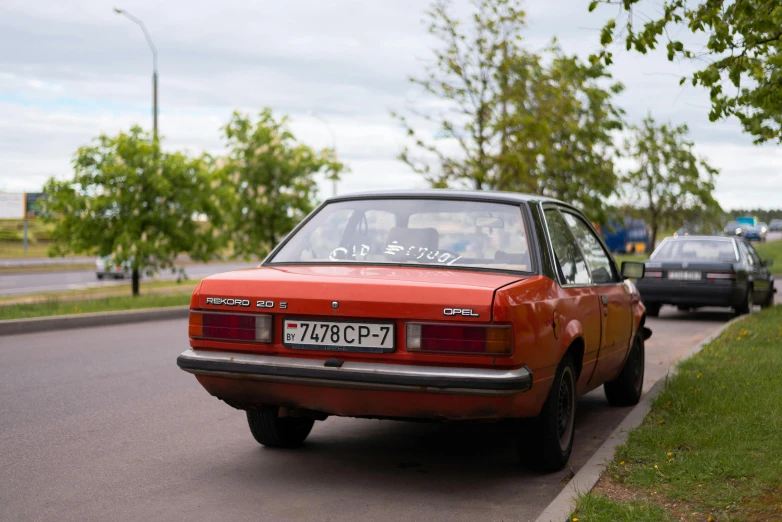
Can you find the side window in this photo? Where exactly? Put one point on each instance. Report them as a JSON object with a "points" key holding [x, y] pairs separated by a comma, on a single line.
{"points": [[596, 258], [570, 263], [745, 252], [754, 256]]}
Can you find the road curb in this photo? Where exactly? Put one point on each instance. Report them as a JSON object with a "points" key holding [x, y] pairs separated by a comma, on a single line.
{"points": [[562, 506], [65, 322]]}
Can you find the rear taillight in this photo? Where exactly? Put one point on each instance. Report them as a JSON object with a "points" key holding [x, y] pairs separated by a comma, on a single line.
{"points": [[230, 327], [459, 339], [720, 275], [653, 274]]}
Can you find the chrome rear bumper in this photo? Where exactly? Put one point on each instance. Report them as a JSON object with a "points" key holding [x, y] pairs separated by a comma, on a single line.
{"points": [[346, 374]]}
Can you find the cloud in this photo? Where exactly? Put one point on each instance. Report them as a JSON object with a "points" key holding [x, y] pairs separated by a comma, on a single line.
{"points": [[77, 69]]}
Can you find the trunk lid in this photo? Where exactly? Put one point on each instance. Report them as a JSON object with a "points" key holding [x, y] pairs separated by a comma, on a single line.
{"points": [[672, 269], [359, 292]]}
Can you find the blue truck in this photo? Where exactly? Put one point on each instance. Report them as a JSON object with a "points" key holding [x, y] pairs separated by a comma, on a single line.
{"points": [[632, 236]]}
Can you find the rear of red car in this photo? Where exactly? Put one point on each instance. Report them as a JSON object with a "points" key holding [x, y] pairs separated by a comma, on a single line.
{"points": [[389, 342]]}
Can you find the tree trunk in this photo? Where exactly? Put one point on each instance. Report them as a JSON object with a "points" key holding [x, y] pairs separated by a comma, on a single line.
{"points": [[135, 281], [653, 237]]}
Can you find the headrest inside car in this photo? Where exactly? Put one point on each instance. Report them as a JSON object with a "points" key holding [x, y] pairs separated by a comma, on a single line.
{"points": [[511, 259], [410, 242]]}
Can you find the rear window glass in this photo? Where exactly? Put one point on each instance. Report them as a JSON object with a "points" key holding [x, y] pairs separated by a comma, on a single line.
{"points": [[413, 231], [697, 250]]}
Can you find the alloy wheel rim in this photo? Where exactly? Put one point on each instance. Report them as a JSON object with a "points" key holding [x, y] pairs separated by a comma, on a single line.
{"points": [[566, 409]]}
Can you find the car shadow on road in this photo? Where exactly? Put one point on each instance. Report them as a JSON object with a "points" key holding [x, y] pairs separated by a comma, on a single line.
{"points": [[469, 458], [717, 315]]}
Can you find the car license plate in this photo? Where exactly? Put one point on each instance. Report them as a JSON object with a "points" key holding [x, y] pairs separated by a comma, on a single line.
{"points": [[338, 336], [684, 275]]}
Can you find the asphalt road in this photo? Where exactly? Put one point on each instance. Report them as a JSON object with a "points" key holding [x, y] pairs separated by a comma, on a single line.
{"points": [[18, 284], [100, 424]]}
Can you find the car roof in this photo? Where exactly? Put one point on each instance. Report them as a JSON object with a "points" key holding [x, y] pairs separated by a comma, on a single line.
{"points": [[485, 195]]}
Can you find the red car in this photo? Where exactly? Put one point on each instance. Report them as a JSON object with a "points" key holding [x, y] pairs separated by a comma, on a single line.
{"points": [[424, 305]]}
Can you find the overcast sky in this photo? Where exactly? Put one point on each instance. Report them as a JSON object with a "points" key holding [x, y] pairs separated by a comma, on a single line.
{"points": [[70, 70]]}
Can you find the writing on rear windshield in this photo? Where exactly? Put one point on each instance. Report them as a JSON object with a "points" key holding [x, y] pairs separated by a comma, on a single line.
{"points": [[343, 253], [420, 252]]}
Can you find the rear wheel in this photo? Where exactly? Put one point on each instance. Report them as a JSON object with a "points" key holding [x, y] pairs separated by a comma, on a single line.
{"points": [[274, 431], [626, 389], [768, 302], [100, 276], [546, 441], [746, 307], [652, 309]]}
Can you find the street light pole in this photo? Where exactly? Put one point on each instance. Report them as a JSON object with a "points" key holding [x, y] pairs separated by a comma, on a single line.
{"points": [[154, 64], [333, 146]]}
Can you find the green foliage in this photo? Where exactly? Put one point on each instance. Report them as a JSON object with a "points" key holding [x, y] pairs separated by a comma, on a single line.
{"points": [[670, 183], [512, 119], [740, 59], [271, 180], [559, 131], [134, 202], [761, 214]]}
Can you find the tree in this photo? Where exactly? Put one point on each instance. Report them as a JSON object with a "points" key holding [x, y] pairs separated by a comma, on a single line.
{"points": [[561, 131], [741, 57], [670, 183], [470, 73], [272, 180], [514, 120], [133, 202]]}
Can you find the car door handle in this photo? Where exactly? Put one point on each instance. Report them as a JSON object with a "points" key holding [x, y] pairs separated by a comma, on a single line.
{"points": [[604, 298]]}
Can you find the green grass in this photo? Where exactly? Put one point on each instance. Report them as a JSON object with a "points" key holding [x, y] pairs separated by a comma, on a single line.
{"points": [[597, 508], [16, 249], [106, 304], [34, 269], [120, 290], [619, 258], [772, 251], [712, 444]]}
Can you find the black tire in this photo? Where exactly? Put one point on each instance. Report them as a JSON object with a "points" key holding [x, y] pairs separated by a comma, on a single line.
{"points": [[274, 431], [768, 302], [652, 309], [746, 307], [100, 276], [545, 442], [627, 388]]}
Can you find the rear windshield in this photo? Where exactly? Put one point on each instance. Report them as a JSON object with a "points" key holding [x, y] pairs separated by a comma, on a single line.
{"points": [[696, 250], [444, 233]]}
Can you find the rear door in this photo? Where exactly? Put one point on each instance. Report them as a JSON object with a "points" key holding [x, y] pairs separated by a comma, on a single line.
{"points": [[759, 274], [579, 301], [615, 299]]}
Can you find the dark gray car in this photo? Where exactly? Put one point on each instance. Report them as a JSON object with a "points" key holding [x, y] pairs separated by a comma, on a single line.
{"points": [[695, 271]]}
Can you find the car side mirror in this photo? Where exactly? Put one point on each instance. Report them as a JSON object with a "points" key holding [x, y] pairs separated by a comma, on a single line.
{"points": [[632, 270], [768, 262]]}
